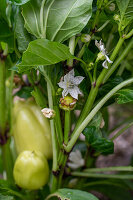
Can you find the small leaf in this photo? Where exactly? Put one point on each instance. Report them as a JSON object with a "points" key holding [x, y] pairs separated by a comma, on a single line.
{"points": [[125, 96], [97, 142], [70, 194], [43, 52]]}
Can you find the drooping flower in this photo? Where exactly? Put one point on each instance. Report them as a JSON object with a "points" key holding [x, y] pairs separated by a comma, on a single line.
{"points": [[70, 84], [48, 113], [102, 49], [75, 160]]}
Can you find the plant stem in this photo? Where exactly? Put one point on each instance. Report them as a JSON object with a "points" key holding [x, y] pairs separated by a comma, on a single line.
{"points": [[121, 131], [54, 140], [67, 126], [42, 18], [7, 161], [2, 97], [107, 169], [129, 34], [93, 113], [112, 176], [118, 61], [72, 49], [58, 125]]}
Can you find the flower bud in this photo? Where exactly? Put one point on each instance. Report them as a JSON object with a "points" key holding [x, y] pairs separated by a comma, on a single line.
{"points": [[112, 7], [48, 113], [100, 56], [67, 103], [90, 66], [117, 17], [85, 38]]}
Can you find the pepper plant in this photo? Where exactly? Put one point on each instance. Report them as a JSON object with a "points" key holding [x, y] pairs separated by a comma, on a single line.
{"points": [[67, 60]]}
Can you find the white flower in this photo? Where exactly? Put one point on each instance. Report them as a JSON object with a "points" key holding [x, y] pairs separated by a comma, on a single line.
{"points": [[70, 84], [76, 160], [102, 49], [48, 113]]}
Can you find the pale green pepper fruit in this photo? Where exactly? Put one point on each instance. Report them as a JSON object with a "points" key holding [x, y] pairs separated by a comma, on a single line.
{"points": [[31, 170], [31, 129]]}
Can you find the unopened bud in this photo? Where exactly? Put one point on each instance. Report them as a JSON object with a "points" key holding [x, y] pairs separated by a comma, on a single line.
{"points": [[48, 113], [112, 7], [90, 66], [100, 56], [67, 103], [85, 38], [117, 17]]}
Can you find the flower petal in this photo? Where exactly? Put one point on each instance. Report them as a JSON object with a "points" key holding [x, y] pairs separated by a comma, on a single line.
{"points": [[77, 80], [69, 76], [105, 64], [107, 58], [73, 93], [65, 92], [62, 84]]}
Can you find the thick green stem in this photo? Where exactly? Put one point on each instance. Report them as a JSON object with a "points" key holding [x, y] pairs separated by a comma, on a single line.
{"points": [[2, 97], [67, 126], [54, 140], [7, 161], [72, 49], [74, 138]]}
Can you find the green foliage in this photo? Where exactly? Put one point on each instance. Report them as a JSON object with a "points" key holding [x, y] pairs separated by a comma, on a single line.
{"points": [[97, 142], [19, 2], [2, 197], [22, 35], [43, 52], [60, 19], [70, 194], [125, 96], [126, 12]]}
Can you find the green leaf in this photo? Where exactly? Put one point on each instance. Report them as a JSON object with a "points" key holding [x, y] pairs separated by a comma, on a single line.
{"points": [[97, 120], [19, 2], [70, 194], [6, 35], [66, 18], [22, 35], [31, 14], [97, 142], [60, 19], [43, 52], [125, 96], [2, 197], [126, 12]]}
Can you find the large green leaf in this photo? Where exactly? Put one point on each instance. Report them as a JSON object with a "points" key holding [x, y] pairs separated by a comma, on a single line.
{"points": [[70, 194], [97, 142], [31, 14], [66, 18], [60, 19], [126, 12], [125, 96], [43, 52]]}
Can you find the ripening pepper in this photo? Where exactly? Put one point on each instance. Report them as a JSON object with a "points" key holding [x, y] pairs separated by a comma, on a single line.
{"points": [[31, 129], [31, 170]]}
